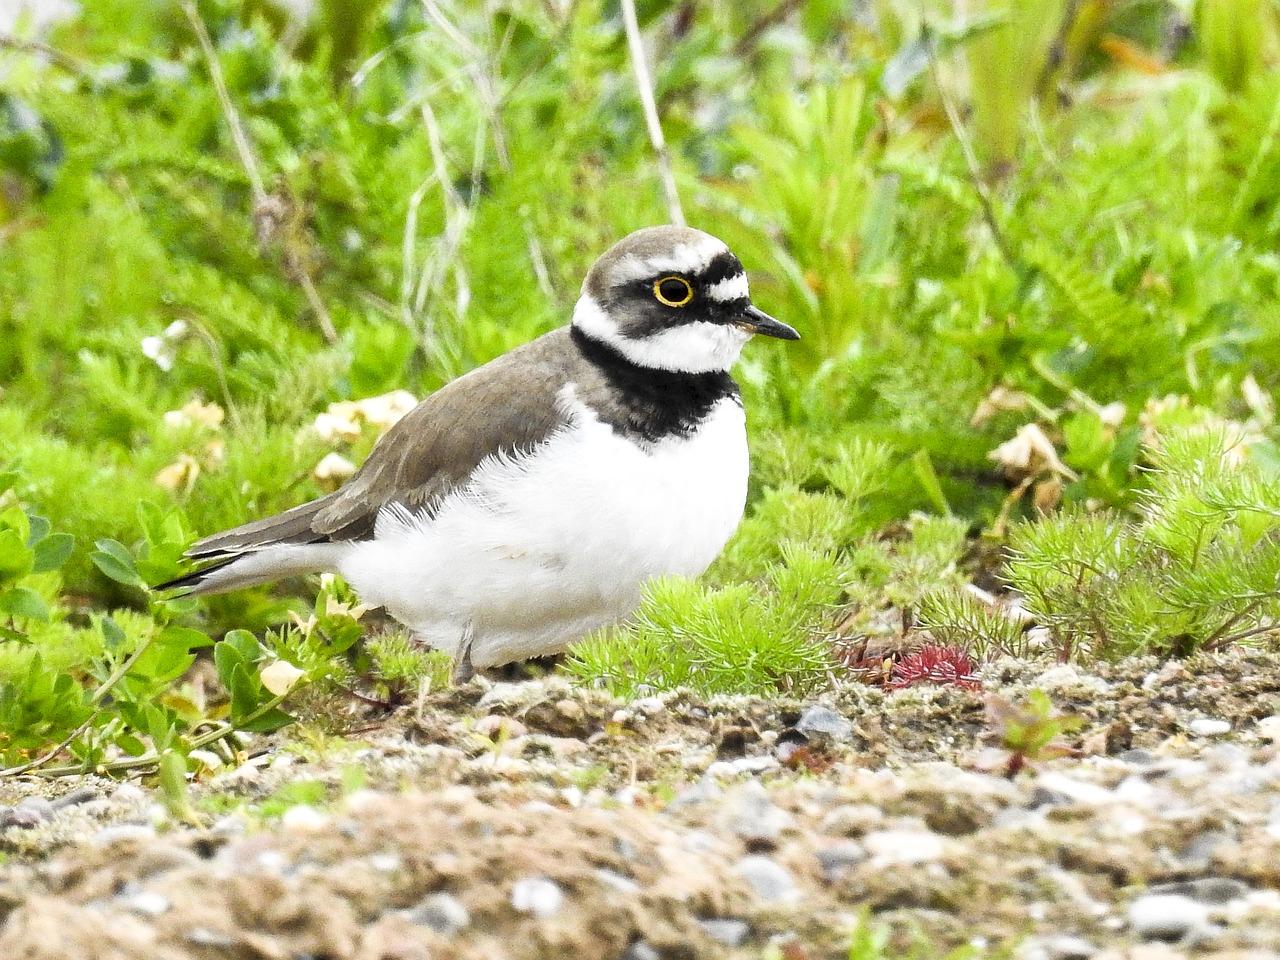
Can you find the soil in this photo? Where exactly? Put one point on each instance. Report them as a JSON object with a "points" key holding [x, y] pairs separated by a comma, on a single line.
{"points": [[541, 820]]}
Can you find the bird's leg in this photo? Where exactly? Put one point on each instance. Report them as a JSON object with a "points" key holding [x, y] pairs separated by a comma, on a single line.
{"points": [[462, 669]]}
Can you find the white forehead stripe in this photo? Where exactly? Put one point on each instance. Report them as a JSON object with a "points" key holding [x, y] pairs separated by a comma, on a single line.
{"points": [[728, 290], [683, 258]]}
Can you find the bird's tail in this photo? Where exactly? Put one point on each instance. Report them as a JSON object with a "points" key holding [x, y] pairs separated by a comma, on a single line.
{"points": [[285, 545]]}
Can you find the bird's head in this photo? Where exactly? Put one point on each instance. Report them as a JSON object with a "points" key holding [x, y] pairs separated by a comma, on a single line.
{"points": [[672, 298]]}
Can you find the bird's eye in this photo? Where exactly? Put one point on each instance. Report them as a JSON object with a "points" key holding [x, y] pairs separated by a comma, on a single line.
{"points": [[673, 291]]}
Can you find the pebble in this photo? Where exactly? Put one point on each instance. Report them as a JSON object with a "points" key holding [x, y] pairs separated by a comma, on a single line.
{"points": [[1212, 891], [1170, 917], [705, 790], [305, 818], [641, 950], [538, 895], [617, 881], [1064, 947], [122, 831], [20, 818], [1208, 727], [753, 817], [852, 819], [208, 937], [820, 721], [442, 912], [837, 860], [1138, 757], [771, 881], [1070, 789], [496, 725], [730, 768], [649, 706], [147, 903], [1269, 728], [726, 930], [75, 798], [889, 847], [1198, 854], [1067, 677], [385, 862]]}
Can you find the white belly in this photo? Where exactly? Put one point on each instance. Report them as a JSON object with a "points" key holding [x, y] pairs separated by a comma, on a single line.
{"points": [[538, 551]]}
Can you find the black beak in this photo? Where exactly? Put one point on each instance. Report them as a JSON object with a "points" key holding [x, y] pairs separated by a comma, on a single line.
{"points": [[755, 320]]}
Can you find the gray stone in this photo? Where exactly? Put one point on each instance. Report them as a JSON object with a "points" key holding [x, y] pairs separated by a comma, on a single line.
{"points": [[37, 805], [22, 819], [641, 950], [1063, 947], [76, 797], [838, 859], [1138, 757], [753, 817], [1213, 891], [726, 930], [1169, 917], [1198, 854], [820, 721], [538, 895], [442, 912], [771, 881]]}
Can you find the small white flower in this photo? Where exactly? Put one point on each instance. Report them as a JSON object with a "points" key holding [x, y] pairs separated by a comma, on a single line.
{"points": [[279, 676], [159, 350]]}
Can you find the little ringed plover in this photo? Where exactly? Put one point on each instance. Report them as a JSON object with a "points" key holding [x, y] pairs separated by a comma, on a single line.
{"points": [[526, 503]]}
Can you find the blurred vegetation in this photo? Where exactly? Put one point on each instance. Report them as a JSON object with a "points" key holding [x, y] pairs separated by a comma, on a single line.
{"points": [[1031, 248]]}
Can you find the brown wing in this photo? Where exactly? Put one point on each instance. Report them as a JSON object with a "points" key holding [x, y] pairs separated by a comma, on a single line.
{"points": [[507, 405]]}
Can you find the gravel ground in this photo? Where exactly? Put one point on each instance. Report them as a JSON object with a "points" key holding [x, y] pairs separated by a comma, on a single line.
{"points": [[541, 820]]}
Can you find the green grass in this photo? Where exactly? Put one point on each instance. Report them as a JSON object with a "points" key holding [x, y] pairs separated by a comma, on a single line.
{"points": [[1119, 295]]}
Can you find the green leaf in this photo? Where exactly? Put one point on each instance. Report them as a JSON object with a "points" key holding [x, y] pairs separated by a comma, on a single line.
{"points": [[24, 602], [273, 719], [39, 529], [247, 694], [116, 563], [16, 558], [226, 657], [183, 638], [113, 634], [51, 552], [922, 465]]}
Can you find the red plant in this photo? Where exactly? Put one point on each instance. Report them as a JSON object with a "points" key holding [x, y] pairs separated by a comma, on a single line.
{"points": [[943, 664]]}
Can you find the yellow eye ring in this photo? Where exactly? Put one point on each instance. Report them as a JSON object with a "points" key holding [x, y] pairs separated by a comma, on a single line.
{"points": [[682, 295]]}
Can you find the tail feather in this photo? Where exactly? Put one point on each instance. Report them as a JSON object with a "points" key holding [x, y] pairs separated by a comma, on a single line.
{"points": [[294, 526], [284, 545], [255, 566]]}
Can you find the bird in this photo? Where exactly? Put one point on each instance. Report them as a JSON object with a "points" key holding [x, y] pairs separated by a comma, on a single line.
{"points": [[526, 503]]}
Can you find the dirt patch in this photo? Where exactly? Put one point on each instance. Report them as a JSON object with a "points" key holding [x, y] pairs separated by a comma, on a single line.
{"points": [[539, 820]]}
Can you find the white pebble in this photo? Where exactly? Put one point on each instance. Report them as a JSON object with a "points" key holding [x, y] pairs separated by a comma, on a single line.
{"points": [[1208, 727], [1165, 916], [539, 896], [1269, 728], [771, 881], [304, 818], [888, 847]]}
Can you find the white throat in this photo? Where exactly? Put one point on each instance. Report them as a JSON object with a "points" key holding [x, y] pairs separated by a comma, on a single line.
{"points": [[698, 347]]}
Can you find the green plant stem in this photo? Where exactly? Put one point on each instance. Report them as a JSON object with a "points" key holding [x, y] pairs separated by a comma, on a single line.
{"points": [[103, 689], [219, 732], [971, 161]]}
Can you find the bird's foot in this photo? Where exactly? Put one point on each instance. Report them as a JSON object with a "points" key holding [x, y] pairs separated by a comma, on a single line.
{"points": [[463, 671]]}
